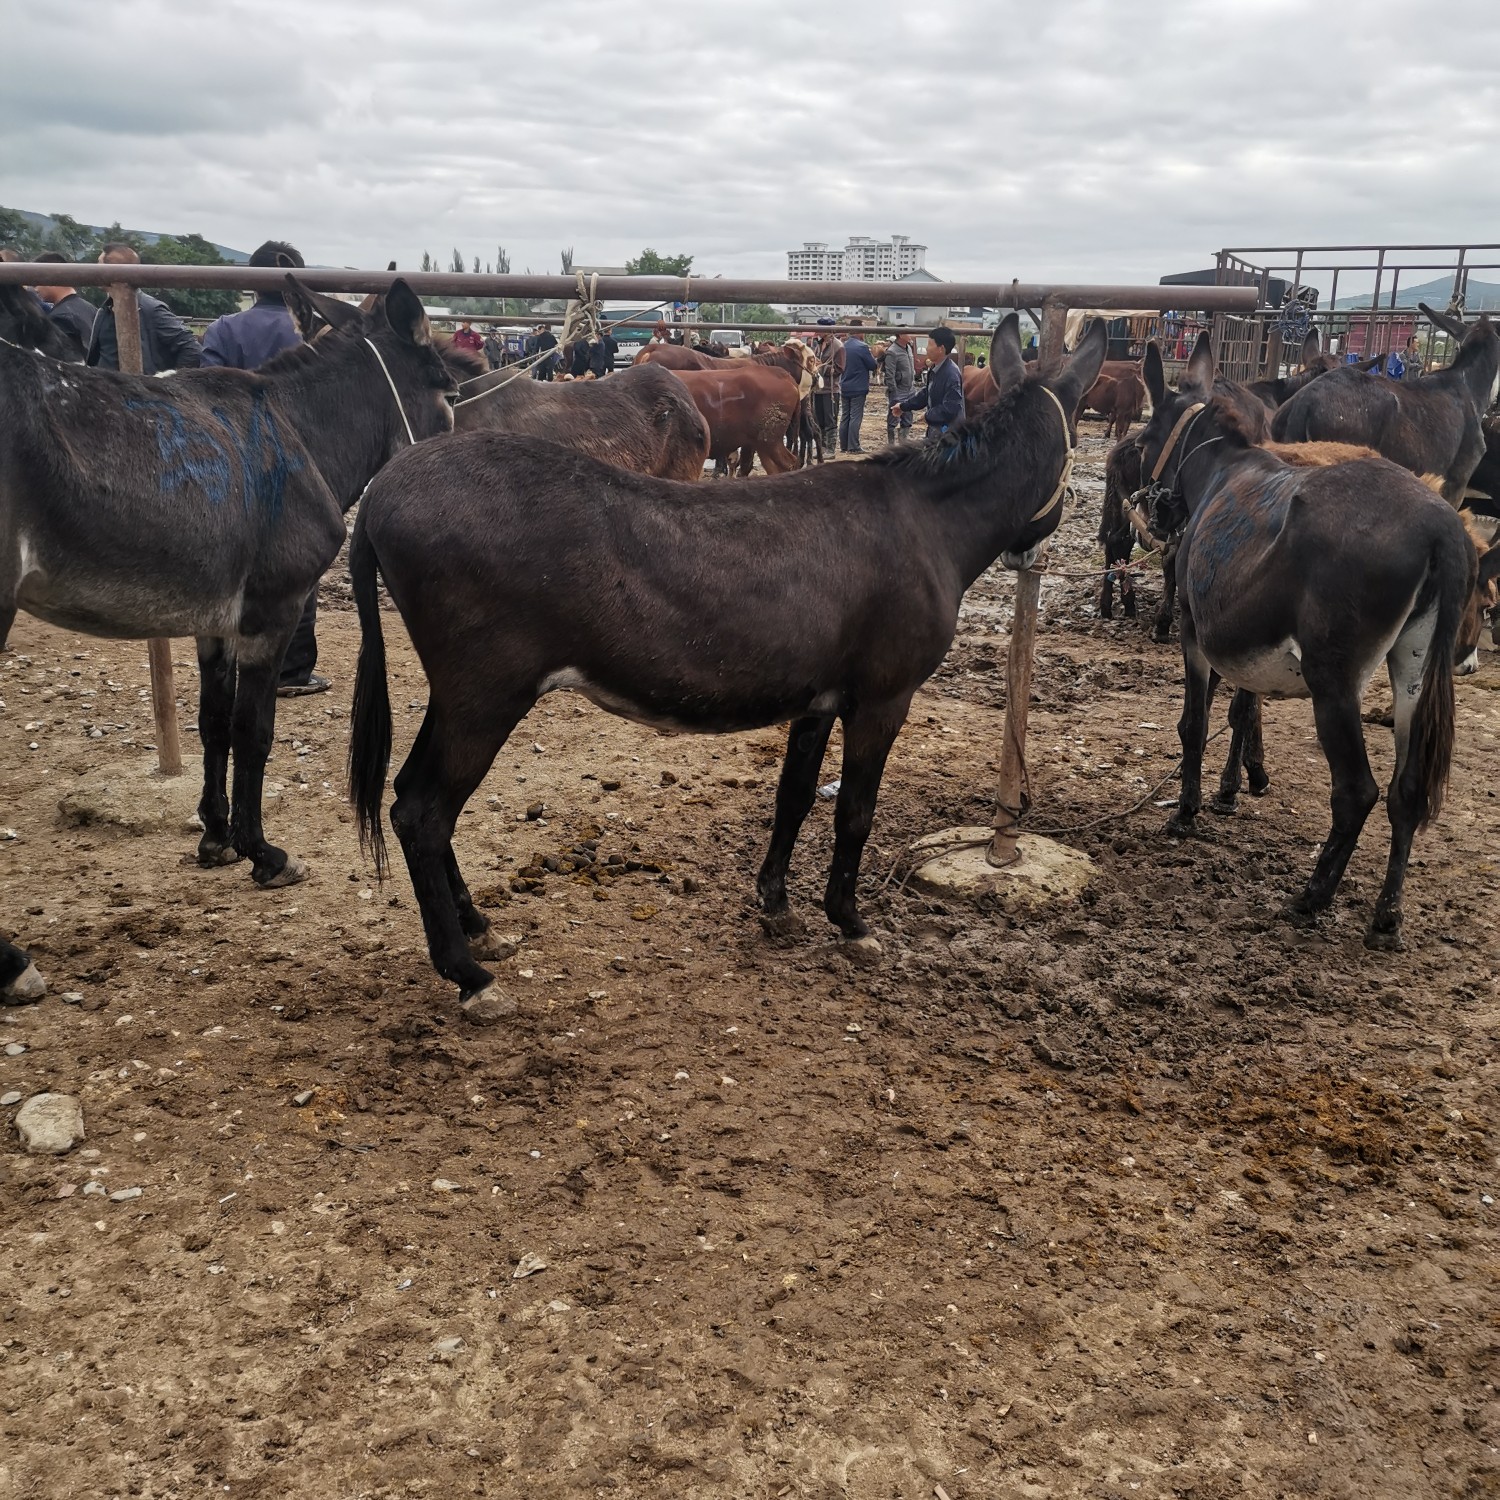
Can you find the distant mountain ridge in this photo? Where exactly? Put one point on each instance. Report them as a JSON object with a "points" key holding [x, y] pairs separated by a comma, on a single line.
{"points": [[1483, 296], [46, 224]]}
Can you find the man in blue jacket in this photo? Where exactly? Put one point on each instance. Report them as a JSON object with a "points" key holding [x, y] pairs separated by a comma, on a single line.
{"points": [[943, 395], [854, 387], [246, 340]]}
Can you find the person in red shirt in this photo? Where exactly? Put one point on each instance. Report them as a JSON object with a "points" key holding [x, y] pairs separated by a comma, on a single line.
{"points": [[468, 337]]}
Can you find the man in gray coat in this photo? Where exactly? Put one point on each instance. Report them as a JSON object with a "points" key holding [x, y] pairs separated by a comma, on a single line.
{"points": [[167, 343], [900, 382]]}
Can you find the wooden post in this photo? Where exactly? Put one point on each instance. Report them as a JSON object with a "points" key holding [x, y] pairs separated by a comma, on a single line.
{"points": [[158, 652], [1019, 656]]}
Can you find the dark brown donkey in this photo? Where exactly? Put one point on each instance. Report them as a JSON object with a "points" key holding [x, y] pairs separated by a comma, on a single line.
{"points": [[822, 594], [1300, 582], [1430, 425], [642, 419], [208, 504]]}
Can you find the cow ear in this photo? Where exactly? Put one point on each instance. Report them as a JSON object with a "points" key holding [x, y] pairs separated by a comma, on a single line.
{"points": [[1082, 370], [1006, 364], [1200, 365], [308, 307], [406, 315], [1312, 347], [1155, 375]]}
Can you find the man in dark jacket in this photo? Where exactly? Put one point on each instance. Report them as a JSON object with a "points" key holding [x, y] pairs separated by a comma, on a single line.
{"points": [[854, 387], [166, 341], [69, 311], [246, 340], [830, 353], [545, 343], [943, 395], [900, 382]]}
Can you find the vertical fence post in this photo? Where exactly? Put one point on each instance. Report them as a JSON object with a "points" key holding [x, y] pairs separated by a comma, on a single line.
{"points": [[158, 652], [1020, 657]]}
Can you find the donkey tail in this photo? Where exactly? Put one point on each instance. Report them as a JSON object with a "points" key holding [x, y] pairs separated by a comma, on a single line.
{"points": [[1453, 570], [370, 722]]}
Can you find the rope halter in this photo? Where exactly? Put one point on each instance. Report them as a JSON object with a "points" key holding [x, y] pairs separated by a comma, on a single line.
{"points": [[410, 436], [1067, 469]]}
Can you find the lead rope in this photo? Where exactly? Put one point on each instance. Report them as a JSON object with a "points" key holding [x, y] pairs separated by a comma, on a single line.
{"points": [[410, 436], [1067, 468]]}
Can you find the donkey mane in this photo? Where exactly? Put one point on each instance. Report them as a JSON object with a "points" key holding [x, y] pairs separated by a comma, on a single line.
{"points": [[298, 357], [963, 454]]}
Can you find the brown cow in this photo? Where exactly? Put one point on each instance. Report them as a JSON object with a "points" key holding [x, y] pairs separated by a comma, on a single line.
{"points": [[980, 390], [1120, 400], [748, 407], [640, 419]]}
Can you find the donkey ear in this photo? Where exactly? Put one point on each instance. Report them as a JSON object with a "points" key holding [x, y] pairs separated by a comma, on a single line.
{"points": [[1312, 347], [1452, 326], [309, 306], [1155, 374], [1006, 364], [27, 312], [406, 315], [1200, 365], [1082, 370]]}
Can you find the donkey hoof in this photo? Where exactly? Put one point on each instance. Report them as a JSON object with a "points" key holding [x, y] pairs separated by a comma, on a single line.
{"points": [[25, 989], [215, 856], [293, 872], [863, 950], [1178, 827], [488, 1006], [1222, 805], [1385, 939], [488, 945], [1260, 784]]}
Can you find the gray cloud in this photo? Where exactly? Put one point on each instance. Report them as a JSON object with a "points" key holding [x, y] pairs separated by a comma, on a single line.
{"points": [[1086, 140]]}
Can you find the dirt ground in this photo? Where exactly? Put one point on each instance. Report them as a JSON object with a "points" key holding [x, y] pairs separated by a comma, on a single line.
{"points": [[1153, 1195]]}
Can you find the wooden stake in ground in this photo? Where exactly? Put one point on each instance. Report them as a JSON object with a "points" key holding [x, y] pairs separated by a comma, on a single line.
{"points": [[1019, 657], [159, 652]]}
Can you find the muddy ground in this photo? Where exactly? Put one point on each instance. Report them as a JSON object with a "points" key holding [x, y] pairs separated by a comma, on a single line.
{"points": [[1154, 1195]]}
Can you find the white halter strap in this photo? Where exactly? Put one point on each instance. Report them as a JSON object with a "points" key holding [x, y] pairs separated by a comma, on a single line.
{"points": [[410, 437], [1067, 468]]}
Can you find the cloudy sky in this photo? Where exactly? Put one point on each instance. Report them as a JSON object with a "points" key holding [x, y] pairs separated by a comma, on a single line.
{"points": [[1104, 140]]}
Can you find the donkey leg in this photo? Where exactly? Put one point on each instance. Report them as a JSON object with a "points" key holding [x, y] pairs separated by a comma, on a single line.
{"points": [[1405, 665], [21, 982], [1244, 716], [869, 734], [252, 729], [1161, 628], [216, 683], [7, 619], [1342, 737], [474, 923], [795, 793], [446, 764], [1200, 682], [1255, 750]]}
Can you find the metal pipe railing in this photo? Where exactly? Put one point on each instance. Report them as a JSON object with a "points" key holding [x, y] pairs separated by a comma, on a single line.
{"points": [[1012, 294]]}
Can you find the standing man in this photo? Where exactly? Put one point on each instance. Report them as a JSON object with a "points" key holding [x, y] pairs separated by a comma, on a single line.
{"points": [[1411, 357], [900, 382], [69, 311], [166, 341], [826, 402], [546, 342], [245, 341], [854, 387], [467, 337], [943, 395]]}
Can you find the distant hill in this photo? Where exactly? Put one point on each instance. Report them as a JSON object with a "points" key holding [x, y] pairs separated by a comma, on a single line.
{"points": [[1482, 295], [45, 225]]}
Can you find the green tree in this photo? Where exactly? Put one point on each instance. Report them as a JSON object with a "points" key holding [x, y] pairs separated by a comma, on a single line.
{"points": [[738, 312], [650, 263], [502, 261], [18, 233], [567, 261], [457, 263], [69, 237], [190, 250], [427, 264]]}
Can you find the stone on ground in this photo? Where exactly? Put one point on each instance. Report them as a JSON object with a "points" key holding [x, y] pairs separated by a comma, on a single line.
{"points": [[1045, 874], [133, 796], [50, 1124]]}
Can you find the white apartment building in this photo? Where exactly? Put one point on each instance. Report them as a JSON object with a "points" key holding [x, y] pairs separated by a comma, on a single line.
{"points": [[863, 258]]}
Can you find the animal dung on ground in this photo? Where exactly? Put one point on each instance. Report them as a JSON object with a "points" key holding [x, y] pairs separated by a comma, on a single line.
{"points": [[528, 1265]]}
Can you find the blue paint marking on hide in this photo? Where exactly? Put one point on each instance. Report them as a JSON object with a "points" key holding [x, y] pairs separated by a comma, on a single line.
{"points": [[189, 454], [265, 465], [1233, 521], [193, 455]]}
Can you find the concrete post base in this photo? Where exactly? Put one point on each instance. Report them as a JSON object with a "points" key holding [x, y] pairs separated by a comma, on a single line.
{"points": [[1045, 874]]}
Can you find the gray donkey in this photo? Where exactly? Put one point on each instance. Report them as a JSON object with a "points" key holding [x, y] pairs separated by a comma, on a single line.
{"points": [[208, 504]]}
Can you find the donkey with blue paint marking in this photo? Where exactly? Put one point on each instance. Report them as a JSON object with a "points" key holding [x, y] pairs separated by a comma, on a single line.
{"points": [[208, 504], [1301, 582]]}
